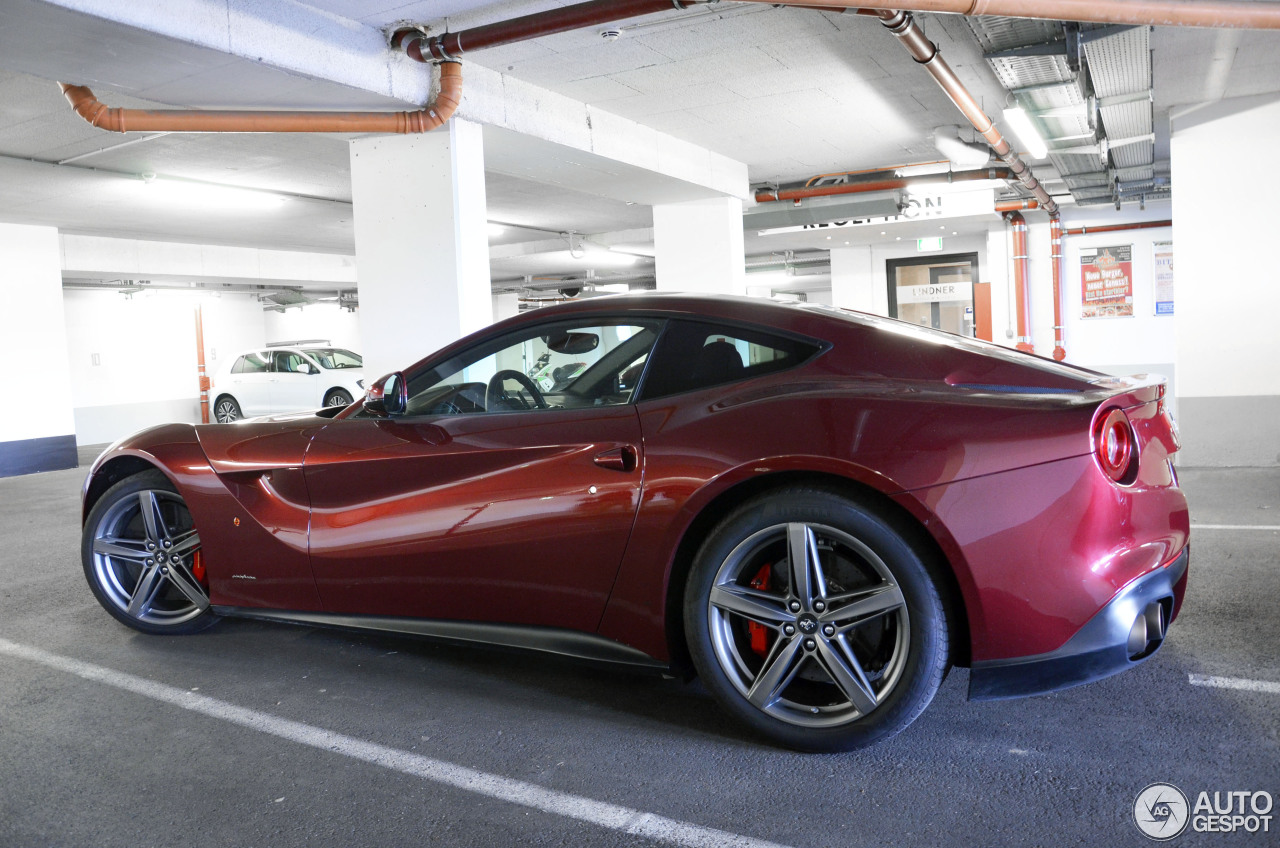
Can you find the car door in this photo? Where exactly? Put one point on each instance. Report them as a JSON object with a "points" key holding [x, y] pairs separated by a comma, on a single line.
{"points": [[482, 508], [294, 382], [250, 383]]}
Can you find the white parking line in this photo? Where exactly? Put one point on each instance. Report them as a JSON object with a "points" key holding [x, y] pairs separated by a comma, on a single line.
{"points": [[1234, 683], [612, 816], [1235, 526]]}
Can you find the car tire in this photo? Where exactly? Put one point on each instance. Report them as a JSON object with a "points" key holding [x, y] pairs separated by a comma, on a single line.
{"points": [[841, 653], [226, 410], [337, 397], [141, 556]]}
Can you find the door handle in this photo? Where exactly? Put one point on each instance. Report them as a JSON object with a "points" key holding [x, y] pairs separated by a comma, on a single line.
{"points": [[625, 458]]}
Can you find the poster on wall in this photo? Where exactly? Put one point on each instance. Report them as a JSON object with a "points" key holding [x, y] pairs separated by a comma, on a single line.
{"points": [[1106, 282], [1162, 278]]}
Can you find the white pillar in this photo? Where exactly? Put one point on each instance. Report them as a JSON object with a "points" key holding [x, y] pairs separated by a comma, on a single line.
{"points": [[699, 246], [37, 433], [422, 248], [854, 283]]}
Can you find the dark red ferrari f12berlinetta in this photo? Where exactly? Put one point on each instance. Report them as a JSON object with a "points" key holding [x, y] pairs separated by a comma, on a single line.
{"points": [[817, 511]]}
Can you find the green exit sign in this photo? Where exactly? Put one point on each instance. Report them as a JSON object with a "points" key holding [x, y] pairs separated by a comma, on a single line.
{"points": [[925, 245]]}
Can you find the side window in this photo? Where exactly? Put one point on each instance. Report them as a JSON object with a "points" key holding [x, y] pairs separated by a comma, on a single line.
{"points": [[696, 355], [288, 362], [250, 363], [553, 366]]}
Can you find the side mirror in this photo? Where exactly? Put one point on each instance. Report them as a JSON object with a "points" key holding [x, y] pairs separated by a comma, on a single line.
{"points": [[388, 397], [311, 369]]}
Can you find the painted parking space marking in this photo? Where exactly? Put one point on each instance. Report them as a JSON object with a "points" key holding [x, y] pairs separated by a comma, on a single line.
{"points": [[612, 816], [1234, 683], [1235, 526]]}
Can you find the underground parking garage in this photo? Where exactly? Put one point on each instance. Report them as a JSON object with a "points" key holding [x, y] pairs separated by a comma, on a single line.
{"points": [[821, 433]]}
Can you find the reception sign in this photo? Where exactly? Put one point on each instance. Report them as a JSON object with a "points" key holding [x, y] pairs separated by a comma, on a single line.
{"points": [[1106, 282]]}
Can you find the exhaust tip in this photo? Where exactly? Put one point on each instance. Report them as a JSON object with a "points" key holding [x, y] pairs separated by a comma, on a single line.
{"points": [[1149, 628]]}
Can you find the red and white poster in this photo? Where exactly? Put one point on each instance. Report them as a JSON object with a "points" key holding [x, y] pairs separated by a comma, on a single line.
{"points": [[1106, 282]]}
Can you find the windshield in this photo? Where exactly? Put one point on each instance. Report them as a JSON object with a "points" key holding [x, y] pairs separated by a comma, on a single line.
{"points": [[335, 357]]}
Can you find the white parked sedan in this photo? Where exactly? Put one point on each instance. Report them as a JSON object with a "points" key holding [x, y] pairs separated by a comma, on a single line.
{"points": [[286, 379]]}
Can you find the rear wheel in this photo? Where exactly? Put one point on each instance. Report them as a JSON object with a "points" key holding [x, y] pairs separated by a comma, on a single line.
{"points": [[226, 410], [337, 397], [815, 622], [141, 556]]}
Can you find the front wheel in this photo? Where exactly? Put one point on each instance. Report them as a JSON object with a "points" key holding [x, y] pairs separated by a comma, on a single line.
{"points": [[141, 556], [815, 622]]}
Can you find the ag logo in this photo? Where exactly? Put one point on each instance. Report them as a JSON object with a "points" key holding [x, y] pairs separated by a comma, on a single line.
{"points": [[1160, 811]]}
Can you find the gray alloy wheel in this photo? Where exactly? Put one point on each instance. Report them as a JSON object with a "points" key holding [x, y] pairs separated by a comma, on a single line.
{"points": [[226, 410], [140, 552], [813, 621], [337, 397]]}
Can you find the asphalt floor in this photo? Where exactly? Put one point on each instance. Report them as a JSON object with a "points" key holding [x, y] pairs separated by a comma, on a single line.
{"points": [[257, 734]]}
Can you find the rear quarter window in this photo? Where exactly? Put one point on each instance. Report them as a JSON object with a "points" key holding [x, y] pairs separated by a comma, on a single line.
{"points": [[695, 355]]}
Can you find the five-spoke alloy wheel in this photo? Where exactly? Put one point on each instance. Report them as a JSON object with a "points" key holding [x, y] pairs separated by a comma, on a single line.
{"points": [[815, 621], [141, 555]]}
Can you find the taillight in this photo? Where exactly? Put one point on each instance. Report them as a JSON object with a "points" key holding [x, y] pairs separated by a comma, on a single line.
{"points": [[1116, 447]]}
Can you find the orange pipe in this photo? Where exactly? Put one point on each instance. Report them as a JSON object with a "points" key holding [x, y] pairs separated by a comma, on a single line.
{"points": [[1022, 305], [883, 184], [1015, 205], [1218, 14], [1115, 228], [190, 120], [204, 379], [926, 54], [1055, 242]]}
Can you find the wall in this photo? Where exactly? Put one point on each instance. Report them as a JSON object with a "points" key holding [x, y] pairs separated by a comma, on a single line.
{"points": [[318, 321], [859, 279], [1141, 344], [133, 359], [1227, 297], [37, 431]]}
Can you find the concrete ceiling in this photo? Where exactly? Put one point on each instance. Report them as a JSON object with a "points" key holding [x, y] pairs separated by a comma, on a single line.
{"points": [[790, 92]]}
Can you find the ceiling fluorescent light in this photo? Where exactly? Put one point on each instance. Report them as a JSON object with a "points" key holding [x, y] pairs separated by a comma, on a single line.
{"points": [[1026, 132], [496, 230], [197, 195]]}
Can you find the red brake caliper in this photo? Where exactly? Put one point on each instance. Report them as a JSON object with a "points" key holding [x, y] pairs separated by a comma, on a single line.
{"points": [[197, 568], [760, 633]]}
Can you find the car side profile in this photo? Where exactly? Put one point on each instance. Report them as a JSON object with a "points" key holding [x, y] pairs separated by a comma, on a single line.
{"points": [[818, 512], [276, 379]]}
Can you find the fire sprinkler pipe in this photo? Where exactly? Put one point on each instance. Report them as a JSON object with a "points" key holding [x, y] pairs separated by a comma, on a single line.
{"points": [[1019, 226], [204, 378], [451, 45], [926, 53], [1219, 14], [1114, 228], [1055, 242], [189, 120], [883, 181]]}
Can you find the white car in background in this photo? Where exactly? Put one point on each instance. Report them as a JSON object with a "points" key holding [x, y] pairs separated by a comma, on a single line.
{"points": [[280, 379]]}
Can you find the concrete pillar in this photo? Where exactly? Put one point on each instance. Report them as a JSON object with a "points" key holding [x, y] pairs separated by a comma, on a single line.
{"points": [[422, 249], [1226, 299], [37, 433], [699, 246], [854, 283]]}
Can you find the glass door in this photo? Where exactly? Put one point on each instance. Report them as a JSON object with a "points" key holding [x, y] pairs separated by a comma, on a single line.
{"points": [[936, 291]]}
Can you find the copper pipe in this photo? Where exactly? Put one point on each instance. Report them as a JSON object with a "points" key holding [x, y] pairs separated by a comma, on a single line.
{"points": [[1021, 301], [925, 52], [204, 378], [883, 183], [452, 45], [1055, 249], [1015, 205], [1219, 14], [1115, 228], [189, 120], [890, 169]]}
